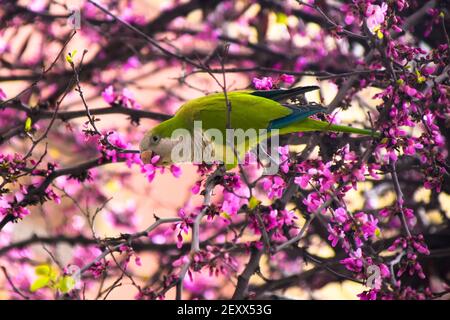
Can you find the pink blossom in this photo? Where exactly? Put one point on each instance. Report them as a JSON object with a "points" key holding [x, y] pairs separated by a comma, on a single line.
{"points": [[265, 83], [98, 268], [2, 94], [334, 235], [132, 63], [301, 63], [368, 295], [138, 261], [313, 202], [37, 5], [4, 204], [340, 214], [196, 187], [410, 91], [349, 18], [181, 261], [375, 16], [384, 270], [109, 95], [149, 171], [4, 47], [274, 186], [368, 224], [284, 158], [355, 262], [287, 78], [302, 180], [176, 171]]}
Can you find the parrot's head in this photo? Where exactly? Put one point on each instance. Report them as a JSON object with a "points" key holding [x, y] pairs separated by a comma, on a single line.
{"points": [[158, 141]]}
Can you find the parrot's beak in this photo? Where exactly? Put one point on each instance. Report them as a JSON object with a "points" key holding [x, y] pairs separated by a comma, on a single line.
{"points": [[146, 156]]}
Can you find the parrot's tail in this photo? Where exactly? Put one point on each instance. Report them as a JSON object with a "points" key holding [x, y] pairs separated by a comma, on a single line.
{"points": [[316, 125]]}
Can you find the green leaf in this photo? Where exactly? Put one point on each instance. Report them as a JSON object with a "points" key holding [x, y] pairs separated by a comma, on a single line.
{"points": [[43, 270], [46, 270], [28, 124], [70, 56], [378, 232], [420, 77], [282, 18], [225, 215], [39, 283], [253, 202], [65, 284]]}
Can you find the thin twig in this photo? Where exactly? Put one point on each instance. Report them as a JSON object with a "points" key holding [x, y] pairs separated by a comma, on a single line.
{"points": [[16, 290], [400, 200], [195, 245], [130, 238]]}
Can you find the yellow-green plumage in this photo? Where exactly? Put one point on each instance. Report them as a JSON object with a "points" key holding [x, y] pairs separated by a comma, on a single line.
{"points": [[249, 110]]}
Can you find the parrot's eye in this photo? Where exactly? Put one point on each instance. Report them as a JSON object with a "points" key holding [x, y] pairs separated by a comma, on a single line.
{"points": [[155, 139]]}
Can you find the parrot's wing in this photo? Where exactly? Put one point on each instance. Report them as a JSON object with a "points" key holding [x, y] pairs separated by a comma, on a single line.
{"points": [[249, 115], [283, 94], [247, 111], [300, 108], [298, 113]]}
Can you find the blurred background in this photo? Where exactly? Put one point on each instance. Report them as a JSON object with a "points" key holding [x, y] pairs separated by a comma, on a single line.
{"points": [[117, 62]]}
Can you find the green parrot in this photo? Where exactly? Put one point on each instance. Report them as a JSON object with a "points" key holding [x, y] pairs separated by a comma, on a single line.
{"points": [[268, 113]]}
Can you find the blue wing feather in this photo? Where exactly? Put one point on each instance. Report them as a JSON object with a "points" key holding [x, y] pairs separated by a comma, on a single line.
{"points": [[298, 114]]}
